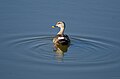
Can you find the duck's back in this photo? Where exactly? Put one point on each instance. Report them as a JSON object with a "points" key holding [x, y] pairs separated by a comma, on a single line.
{"points": [[62, 39]]}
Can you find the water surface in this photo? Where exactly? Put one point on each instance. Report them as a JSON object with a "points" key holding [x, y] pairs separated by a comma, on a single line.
{"points": [[26, 48]]}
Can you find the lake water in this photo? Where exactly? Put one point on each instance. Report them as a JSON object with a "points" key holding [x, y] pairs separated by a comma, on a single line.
{"points": [[26, 48]]}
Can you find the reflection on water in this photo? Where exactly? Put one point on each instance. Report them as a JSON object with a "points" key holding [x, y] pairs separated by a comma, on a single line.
{"points": [[94, 28], [83, 50], [60, 47], [35, 53], [60, 50]]}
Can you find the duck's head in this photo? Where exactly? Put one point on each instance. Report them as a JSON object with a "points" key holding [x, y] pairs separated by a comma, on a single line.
{"points": [[59, 24]]}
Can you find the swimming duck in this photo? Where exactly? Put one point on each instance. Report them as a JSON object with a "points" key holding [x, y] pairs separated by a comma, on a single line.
{"points": [[61, 41]]}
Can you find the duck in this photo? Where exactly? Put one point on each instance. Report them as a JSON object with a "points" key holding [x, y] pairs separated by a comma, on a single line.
{"points": [[61, 41]]}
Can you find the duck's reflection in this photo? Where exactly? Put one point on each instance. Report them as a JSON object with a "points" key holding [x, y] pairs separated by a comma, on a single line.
{"points": [[60, 50]]}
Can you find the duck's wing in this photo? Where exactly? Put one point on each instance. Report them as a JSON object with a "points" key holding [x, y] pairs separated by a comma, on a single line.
{"points": [[61, 39], [64, 40], [67, 38]]}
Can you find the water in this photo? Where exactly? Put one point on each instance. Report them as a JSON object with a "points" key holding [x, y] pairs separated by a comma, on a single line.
{"points": [[26, 48]]}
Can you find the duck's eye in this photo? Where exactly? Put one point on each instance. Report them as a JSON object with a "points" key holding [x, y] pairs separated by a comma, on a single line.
{"points": [[59, 23]]}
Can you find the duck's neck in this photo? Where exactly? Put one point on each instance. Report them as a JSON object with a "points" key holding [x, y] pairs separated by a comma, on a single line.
{"points": [[61, 32]]}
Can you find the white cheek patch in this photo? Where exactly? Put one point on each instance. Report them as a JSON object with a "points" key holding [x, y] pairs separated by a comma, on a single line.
{"points": [[61, 37]]}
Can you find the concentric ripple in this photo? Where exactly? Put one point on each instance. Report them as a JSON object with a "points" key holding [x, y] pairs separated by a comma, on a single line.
{"points": [[84, 51]]}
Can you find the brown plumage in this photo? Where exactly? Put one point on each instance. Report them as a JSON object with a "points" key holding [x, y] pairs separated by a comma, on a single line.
{"points": [[61, 41]]}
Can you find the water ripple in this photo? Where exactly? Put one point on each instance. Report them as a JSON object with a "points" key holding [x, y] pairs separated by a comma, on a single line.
{"points": [[83, 53]]}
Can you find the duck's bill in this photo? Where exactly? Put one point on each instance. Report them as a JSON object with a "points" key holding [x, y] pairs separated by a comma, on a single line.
{"points": [[54, 26]]}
